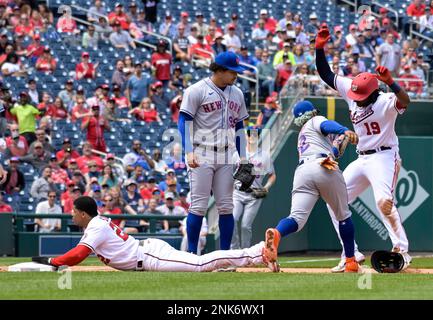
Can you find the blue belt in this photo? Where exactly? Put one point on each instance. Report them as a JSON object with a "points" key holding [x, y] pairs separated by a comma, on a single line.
{"points": [[312, 157]]}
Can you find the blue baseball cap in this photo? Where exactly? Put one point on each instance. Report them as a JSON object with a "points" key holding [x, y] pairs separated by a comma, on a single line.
{"points": [[229, 60], [301, 107]]}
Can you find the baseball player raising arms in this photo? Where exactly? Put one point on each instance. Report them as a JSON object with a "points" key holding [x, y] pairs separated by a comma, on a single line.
{"points": [[320, 141], [122, 252], [373, 114], [247, 203], [211, 110]]}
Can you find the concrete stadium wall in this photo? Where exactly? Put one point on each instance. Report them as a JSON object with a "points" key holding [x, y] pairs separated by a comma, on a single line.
{"points": [[414, 189]]}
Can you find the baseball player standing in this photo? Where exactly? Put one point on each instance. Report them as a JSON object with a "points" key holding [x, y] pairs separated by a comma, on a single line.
{"points": [[247, 203], [211, 110], [373, 114], [122, 252], [320, 141]]}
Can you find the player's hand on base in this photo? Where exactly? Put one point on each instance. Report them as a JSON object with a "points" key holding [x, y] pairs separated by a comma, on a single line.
{"points": [[322, 37], [353, 137], [42, 260], [192, 160], [384, 75]]}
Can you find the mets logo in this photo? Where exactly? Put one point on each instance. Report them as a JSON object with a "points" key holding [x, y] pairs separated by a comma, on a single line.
{"points": [[237, 60], [354, 87]]}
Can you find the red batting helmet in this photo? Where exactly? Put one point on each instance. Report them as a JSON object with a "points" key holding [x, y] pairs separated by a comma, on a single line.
{"points": [[362, 86]]}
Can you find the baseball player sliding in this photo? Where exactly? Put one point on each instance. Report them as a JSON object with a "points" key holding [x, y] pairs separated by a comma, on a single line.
{"points": [[373, 114], [211, 110], [320, 142], [121, 251]]}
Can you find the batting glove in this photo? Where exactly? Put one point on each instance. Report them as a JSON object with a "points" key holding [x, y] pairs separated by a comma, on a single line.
{"points": [[383, 74], [322, 37]]}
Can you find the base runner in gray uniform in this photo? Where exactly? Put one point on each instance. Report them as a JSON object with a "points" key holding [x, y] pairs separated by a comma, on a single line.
{"points": [[320, 141], [210, 120], [247, 204]]}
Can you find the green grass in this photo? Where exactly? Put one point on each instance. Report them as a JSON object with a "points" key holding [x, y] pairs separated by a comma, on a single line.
{"points": [[157, 285], [215, 286]]}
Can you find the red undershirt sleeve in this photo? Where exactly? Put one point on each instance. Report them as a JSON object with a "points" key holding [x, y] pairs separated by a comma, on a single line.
{"points": [[72, 257]]}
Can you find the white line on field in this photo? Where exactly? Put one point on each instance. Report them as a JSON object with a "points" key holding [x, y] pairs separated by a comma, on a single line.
{"points": [[311, 260]]}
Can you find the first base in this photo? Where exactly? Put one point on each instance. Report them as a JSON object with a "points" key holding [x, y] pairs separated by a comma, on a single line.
{"points": [[30, 267]]}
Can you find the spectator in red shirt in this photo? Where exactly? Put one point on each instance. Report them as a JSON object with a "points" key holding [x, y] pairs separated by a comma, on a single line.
{"points": [[147, 192], [197, 52], [120, 100], [270, 23], [88, 156], [25, 27], [119, 15], [96, 125], [66, 24], [68, 193], [58, 174], [414, 88], [37, 21], [57, 110], [16, 145], [86, 69], [80, 110], [66, 153], [284, 71], [175, 107], [35, 49], [109, 208], [161, 62], [4, 208], [68, 205], [182, 201], [145, 111], [46, 62], [416, 9]]}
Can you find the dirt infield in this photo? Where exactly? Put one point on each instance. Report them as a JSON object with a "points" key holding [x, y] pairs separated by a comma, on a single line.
{"points": [[253, 270]]}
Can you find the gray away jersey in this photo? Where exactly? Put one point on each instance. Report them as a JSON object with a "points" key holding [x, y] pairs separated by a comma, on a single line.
{"points": [[215, 112], [311, 140]]}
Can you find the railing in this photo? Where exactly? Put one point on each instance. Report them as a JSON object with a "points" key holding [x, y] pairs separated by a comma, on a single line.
{"points": [[106, 17], [412, 32], [200, 61], [119, 165], [395, 12], [310, 85], [160, 36], [20, 217], [256, 80]]}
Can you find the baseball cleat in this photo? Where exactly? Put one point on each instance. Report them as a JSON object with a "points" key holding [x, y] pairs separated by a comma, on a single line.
{"points": [[360, 258], [351, 265], [272, 265], [407, 260], [272, 240]]}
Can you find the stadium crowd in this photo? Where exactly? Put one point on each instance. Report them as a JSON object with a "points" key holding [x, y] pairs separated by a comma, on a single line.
{"points": [[138, 90]]}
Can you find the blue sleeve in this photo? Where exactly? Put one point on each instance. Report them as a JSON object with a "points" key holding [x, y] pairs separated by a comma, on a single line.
{"points": [[241, 142], [184, 131], [330, 126]]}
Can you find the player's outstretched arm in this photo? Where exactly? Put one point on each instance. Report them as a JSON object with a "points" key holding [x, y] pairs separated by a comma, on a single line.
{"points": [[70, 258], [322, 65], [383, 74]]}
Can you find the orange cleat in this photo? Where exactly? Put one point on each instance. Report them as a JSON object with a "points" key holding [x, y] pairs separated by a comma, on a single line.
{"points": [[351, 265], [272, 240]]}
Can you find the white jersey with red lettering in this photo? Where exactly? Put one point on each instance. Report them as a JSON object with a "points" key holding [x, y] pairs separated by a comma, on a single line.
{"points": [[113, 247], [123, 252], [375, 124], [380, 167]]}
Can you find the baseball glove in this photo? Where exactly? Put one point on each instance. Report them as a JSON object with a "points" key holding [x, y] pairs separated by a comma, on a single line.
{"points": [[259, 193], [244, 173], [329, 163], [387, 262], [339, 145]]}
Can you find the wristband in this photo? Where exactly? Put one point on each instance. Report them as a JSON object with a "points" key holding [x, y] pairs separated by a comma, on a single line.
{"points": [[395, 87]]}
